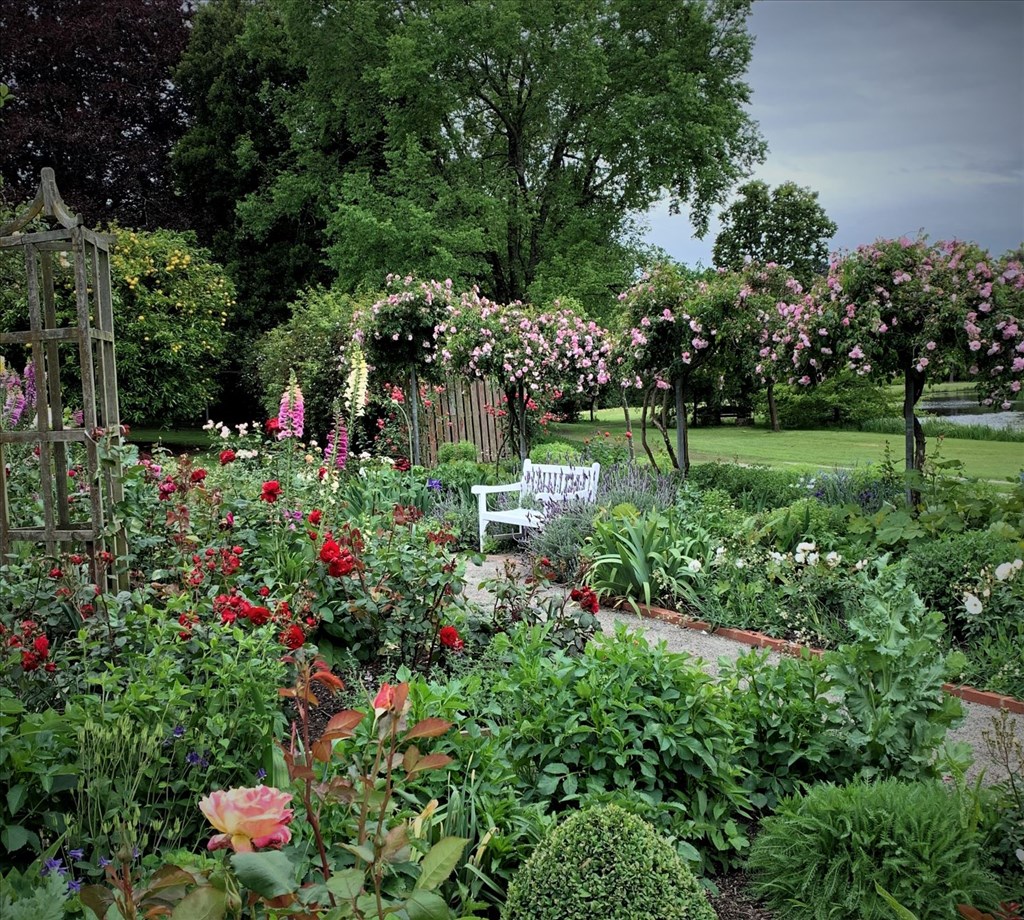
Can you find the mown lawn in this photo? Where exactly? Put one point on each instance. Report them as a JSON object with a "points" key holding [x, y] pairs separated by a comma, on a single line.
{"points": [[995, 460]]}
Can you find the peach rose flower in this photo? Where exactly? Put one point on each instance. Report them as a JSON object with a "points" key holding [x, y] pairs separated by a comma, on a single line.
{"points": [[248, 818]]}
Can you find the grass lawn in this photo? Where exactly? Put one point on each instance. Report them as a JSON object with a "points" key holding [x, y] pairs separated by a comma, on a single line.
{"points": [[995, 460]]}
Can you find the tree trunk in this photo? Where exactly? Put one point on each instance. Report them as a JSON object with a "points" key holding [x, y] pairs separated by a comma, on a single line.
{"points": [[682, 435], [662, 426], [913, 435], [629, 428], [414, 400], [773, 410], [648, 397]]}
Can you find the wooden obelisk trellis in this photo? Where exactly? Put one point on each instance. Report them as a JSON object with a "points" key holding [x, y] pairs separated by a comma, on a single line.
{"points": [[90, 257]]}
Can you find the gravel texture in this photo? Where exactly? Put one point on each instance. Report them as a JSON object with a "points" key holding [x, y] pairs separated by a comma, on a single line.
{"points": [[710, 648]]}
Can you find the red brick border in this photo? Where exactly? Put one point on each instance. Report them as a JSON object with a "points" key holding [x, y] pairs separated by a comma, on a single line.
{"points": [[760, 640]]}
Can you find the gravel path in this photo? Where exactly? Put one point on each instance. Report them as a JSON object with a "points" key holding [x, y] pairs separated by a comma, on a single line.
{"points": [[710, 648]]}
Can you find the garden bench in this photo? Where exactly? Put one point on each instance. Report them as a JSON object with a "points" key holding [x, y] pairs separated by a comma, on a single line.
{"points": [[547, 485]]}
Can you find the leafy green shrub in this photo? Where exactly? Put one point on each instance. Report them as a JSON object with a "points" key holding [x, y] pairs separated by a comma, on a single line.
{"points": [[793, 732], [867, 487], [821, 855], [891, 677], [627, 716], [310, 343], [942, 570], [652, 557], [805, 519], [844, 401], [753, 488], [460, 450], [608, 859], [558, 452], [171, 305], [460, 476], [633, 484]]}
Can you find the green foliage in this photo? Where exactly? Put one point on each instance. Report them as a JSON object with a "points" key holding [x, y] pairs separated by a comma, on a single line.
{"points": [[891, 676], [753, 488], [821, 855], [785, 225], [605, 856], [652, 557], [171, 303], [847, 400], [627, 716], [557, 452], [459, 450], [38, 754], [29, 897], [805, 519], [562, 539], [792, 730], [310, 343], [943, 428]]}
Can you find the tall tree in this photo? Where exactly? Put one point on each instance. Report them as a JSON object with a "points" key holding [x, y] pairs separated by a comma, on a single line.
{"points": [[785, 225], [91, 95], [234, 77], [493, 139]]}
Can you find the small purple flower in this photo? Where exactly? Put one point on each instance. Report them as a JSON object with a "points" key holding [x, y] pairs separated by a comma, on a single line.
{"points": [[53, 865], [261, 773], [76, 854], [192, 758], [434, 485], [104, 862], [204, 761], [74, 886], [179, 731]]}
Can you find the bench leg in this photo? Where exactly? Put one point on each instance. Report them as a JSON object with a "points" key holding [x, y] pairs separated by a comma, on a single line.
{"points": [[483, 532]]}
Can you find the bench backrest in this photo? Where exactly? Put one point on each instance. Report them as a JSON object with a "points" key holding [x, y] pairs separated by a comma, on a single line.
{"points": [[552, 484]]}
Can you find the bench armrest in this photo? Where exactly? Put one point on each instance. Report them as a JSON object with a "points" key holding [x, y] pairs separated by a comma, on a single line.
{"points": [[489, 490]]}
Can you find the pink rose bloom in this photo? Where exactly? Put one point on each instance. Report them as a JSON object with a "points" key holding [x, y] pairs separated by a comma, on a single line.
{"points": [[248, 818]]}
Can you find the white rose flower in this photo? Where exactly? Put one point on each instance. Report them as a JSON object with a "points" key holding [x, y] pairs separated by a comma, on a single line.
{"points": [[1018, 564], [694, 565], [720, 552], [812, 559], [1004, 571], [805, 547], [833, 559], [973, 604], [798, 556]]}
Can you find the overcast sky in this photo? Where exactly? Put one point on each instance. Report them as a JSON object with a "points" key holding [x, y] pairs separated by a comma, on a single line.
{"points": [[902, 115]]}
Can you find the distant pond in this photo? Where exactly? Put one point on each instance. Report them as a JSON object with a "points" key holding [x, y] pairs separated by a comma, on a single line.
{"points": [[964, 410]]}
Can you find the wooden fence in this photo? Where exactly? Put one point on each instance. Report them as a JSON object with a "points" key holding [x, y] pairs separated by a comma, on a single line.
{"points": [[465, 411]]}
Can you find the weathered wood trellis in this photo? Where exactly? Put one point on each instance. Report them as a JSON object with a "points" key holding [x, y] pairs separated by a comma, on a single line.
{"points": [[94, 336]]}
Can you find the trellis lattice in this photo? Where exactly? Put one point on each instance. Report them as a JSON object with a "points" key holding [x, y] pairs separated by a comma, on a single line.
{"points": [[53, 440]]}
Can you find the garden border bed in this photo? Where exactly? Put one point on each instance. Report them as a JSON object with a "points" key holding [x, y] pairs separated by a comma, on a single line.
{"points": [[785, 647]]}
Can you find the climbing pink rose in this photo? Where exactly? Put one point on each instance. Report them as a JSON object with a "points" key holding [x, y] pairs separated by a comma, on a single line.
{"points": [[248, 818]]}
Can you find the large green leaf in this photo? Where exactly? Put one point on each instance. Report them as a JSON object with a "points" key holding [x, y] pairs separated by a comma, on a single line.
{"points": [[440, 862], [347, 884], [426, 905], [269, 874], [205, 903]]}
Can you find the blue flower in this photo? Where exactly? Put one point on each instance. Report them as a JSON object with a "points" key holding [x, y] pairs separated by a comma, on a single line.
{"points": [[434, 485], [104, 862], [53, 865], [192, 758], [74, 886], [179, 731], [76, 854], [261, 773]]}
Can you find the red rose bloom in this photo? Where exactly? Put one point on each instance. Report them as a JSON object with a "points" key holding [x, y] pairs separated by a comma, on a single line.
{"points": [[226, 457], [450, 638], [403, 465], [198, 475], [258, 615], [293, 637], [271, 491], [42, 646], [315, 517], [273, 425], [29, 661]]}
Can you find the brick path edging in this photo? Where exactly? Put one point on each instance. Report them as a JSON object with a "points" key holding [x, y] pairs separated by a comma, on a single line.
{"points": [[784, 647]]}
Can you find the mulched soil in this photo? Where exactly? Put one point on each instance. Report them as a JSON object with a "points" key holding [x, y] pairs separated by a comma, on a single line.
{"points": [[735, 901]]}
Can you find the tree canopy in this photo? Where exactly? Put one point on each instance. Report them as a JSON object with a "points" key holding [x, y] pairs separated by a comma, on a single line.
{"points": [[785, 225], [503, 144], [90, 94]]}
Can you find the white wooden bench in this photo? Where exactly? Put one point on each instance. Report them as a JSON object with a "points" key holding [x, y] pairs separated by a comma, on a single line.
{"points": [[547, 485]]}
